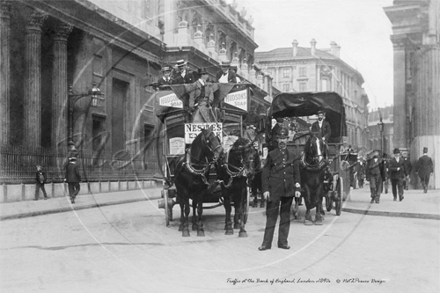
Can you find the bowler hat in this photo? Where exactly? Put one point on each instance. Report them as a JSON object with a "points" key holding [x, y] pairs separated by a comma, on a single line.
{"points": [[181, 63], [282, 133], [321, 112], [425, 150], [396, 151], [280, 120]]}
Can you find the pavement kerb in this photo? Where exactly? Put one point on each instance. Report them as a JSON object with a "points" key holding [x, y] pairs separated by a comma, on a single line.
{"points": [[392, 214]]}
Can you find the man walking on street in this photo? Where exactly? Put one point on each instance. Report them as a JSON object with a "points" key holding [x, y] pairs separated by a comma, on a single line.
{"points": [[397, 173], [374, 176], [73, 179], [40, 178], [408, 168], [424, 168], [280, 180]]}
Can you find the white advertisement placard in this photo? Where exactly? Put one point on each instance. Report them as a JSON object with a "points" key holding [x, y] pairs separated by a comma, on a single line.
{"points": [[193, 129], [170, 100], [177, 146], [238, 99]]}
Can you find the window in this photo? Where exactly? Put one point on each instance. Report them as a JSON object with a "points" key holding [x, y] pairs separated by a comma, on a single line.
{"points": [[286, 72], [302, 87], [286, 87], [325, 85], [302, 71]]}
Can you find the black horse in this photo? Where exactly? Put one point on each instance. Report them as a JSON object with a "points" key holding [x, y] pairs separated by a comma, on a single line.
{"points": [[191, 178], [314, 161], [234, 170]]}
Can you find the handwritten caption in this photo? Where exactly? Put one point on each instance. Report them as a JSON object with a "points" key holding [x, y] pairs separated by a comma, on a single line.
{"points": [[277, 281]]}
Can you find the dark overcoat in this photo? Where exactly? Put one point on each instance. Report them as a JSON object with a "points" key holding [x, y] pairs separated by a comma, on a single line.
{"points": [[72, 173], [280, 173], [393, 166], [425, 166]]}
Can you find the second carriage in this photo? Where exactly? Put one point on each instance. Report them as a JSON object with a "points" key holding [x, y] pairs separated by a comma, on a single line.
{"points": [[303, 105]]}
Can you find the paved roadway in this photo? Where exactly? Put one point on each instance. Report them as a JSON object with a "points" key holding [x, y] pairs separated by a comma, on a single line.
{"points": [[127, 248]]}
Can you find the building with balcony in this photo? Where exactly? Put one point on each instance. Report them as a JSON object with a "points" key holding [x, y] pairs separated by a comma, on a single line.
{"points": [[309, 69], [416, 45], [120, 46]]}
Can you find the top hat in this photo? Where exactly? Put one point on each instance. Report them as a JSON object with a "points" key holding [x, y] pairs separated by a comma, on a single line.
{"points": [[166, 68], [425, 150], [202, 71], [396, 151], [225, 64], [181, 63], [282, 133]]}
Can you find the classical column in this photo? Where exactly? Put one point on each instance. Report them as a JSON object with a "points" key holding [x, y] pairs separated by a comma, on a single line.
{"points": [[60, 87], [399, 108], [32, 86], [5, 13]]}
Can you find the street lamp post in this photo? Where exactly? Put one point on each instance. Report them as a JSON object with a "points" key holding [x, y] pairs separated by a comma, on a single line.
{"points": [[381, 127], [74, 97]]}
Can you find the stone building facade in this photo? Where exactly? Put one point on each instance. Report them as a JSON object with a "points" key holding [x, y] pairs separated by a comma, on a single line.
{"points": [[416, 45], [120, 46], [377, 140], [309, 69]]}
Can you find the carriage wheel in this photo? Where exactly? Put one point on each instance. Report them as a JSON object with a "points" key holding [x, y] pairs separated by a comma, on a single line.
{"points": [[340, 193], [246, 205]]}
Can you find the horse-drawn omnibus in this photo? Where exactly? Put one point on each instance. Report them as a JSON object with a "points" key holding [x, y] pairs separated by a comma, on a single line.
{"points": [[322, 175], [195, 166]]}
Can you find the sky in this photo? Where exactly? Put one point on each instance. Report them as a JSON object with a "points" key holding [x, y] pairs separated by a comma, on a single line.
{"points": [[360, 27]]}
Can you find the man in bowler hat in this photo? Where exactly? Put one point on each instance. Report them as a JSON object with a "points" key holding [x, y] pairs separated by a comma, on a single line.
{"points": [[40, 178], [226, 74], [374, 175], [73, 178], [322, 127], [396, 169], [424, 168], [182, 74], [166, 77], [280, 183]]}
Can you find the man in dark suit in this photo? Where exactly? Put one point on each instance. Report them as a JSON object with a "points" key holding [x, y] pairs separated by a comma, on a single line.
{"points": [[182, 74], [280, 183], [201, 96], [321, 128], [226, 74], [374, 175], [166, 78], [40, 179], [408, 168], [73, 178], [397, 173], [424, 168]]}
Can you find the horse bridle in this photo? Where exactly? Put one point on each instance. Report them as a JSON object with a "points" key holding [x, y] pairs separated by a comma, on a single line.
{"points": [[320, 163]]}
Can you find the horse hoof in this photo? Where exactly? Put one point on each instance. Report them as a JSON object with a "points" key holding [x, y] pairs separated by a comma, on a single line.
{"points": [[185, 233], [308, 223], [229, 232], [194, 227], [201, 233], [236, 226], [242, 234]]}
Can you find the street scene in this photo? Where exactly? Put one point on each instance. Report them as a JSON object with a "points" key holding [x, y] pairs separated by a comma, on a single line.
{"points": [[219, 145], [128, 248]]}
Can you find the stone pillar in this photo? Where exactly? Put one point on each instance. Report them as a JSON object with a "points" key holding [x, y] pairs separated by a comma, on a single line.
{"points": [[32, 86], [60, 87], [399, 109], [5, 86]]}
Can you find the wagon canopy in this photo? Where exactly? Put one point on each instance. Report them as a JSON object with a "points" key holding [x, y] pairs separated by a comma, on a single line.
{"points": [[307, 104]]}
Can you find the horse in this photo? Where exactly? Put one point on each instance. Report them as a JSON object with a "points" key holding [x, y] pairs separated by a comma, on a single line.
{"points": [[234, 170], [314, 161], [190, 178]]}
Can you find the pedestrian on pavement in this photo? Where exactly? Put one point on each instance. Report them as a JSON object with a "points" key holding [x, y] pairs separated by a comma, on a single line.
{"points": [[40, 179], [374, 175], [397, 173], [360, 171], [281, 182], [408, 168], [424, 169], [73, 178]]}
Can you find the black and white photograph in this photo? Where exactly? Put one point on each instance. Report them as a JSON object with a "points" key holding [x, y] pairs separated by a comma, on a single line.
{"points": [[219, 146]]}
